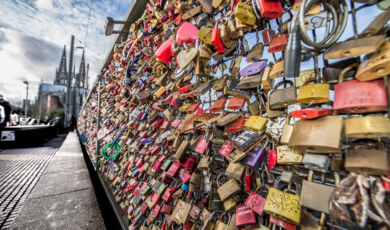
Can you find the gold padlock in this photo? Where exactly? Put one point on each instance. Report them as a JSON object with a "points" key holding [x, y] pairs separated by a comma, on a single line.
{"points": [[245, 13], [159, 92], [367, 127], [205, 34], [277, 201], [256, 123], [313, 93]]}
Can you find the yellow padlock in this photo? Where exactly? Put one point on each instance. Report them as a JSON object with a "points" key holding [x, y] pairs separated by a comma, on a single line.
{"points": [[205, 35], [256, 123], [367, 127], [160, 92], [283, 205], [184, 107], [245, 13], [313, 93]]}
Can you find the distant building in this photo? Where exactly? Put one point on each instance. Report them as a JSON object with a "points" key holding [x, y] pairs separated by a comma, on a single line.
{"points": [[53, 96]]}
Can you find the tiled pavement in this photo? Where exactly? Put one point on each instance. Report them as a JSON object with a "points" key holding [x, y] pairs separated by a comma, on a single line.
{"points": [[20, 170], [64, 197]]}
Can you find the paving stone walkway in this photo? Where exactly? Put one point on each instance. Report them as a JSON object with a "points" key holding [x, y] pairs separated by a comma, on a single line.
{"points": [[20, 170], [58, 193]]}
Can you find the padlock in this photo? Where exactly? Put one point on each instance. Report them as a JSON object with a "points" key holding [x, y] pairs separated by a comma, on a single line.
{"points": [[220, 225], [375, 67], [279, 99], [305, 138], [244, 215], [270, 9], [216, 41], [245, 13], [246, 140], [256, 156], [359, 97], [313, 93], [255, 201], [236, 103], [181, 213], [187, 33], [276, 198], [256, 123], [278, 43], [235, 171], [309, 188], [228, 189], [287, 155], [316, 162], [367, 127], [225, 35], [164, 52], [205, 34], [253, 68], [218, 105], [356, 159], [236, 126], [311, 113]]}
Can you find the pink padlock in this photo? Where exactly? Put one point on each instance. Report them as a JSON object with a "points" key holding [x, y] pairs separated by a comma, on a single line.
{"points": [[187, 33]]}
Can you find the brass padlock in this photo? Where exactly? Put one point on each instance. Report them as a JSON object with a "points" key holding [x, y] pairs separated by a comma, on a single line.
{"points": [[228, 189], [245, 13]]}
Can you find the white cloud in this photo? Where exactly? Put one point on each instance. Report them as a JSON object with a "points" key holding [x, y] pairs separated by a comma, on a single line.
{"points": [[33, 33]]}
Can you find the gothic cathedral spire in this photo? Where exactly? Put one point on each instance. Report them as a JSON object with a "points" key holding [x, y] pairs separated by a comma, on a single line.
{"points": [[61, 73]]}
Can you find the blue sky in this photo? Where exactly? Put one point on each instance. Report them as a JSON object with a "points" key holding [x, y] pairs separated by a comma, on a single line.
{"points": [[33, 33]]}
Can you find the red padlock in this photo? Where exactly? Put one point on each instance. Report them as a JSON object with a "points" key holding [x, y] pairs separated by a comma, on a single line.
{"points": [[311, 113], [226, 148], [175, 123], [188, 225], [281, 223], [244, 215], [139, 163], [174, 103], [164, 52], [278, 43], [271, 159], [218, 105], [178, 19], [185, 176], [271, 8], [199, 111], [185, 88], [168, 193], [248, 182], [172, 171], [236, 126], [190, 163], [192, 108], [386, 183], [155, 150], [156, 211], [165, 125], [216, 40], [155, 198]]}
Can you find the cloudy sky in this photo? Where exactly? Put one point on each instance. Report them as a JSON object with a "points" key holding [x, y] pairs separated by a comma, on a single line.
{"points": [[34, 32]]}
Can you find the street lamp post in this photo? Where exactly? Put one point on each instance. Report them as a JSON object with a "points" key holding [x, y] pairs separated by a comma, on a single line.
{"points": [[26, 105]]}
